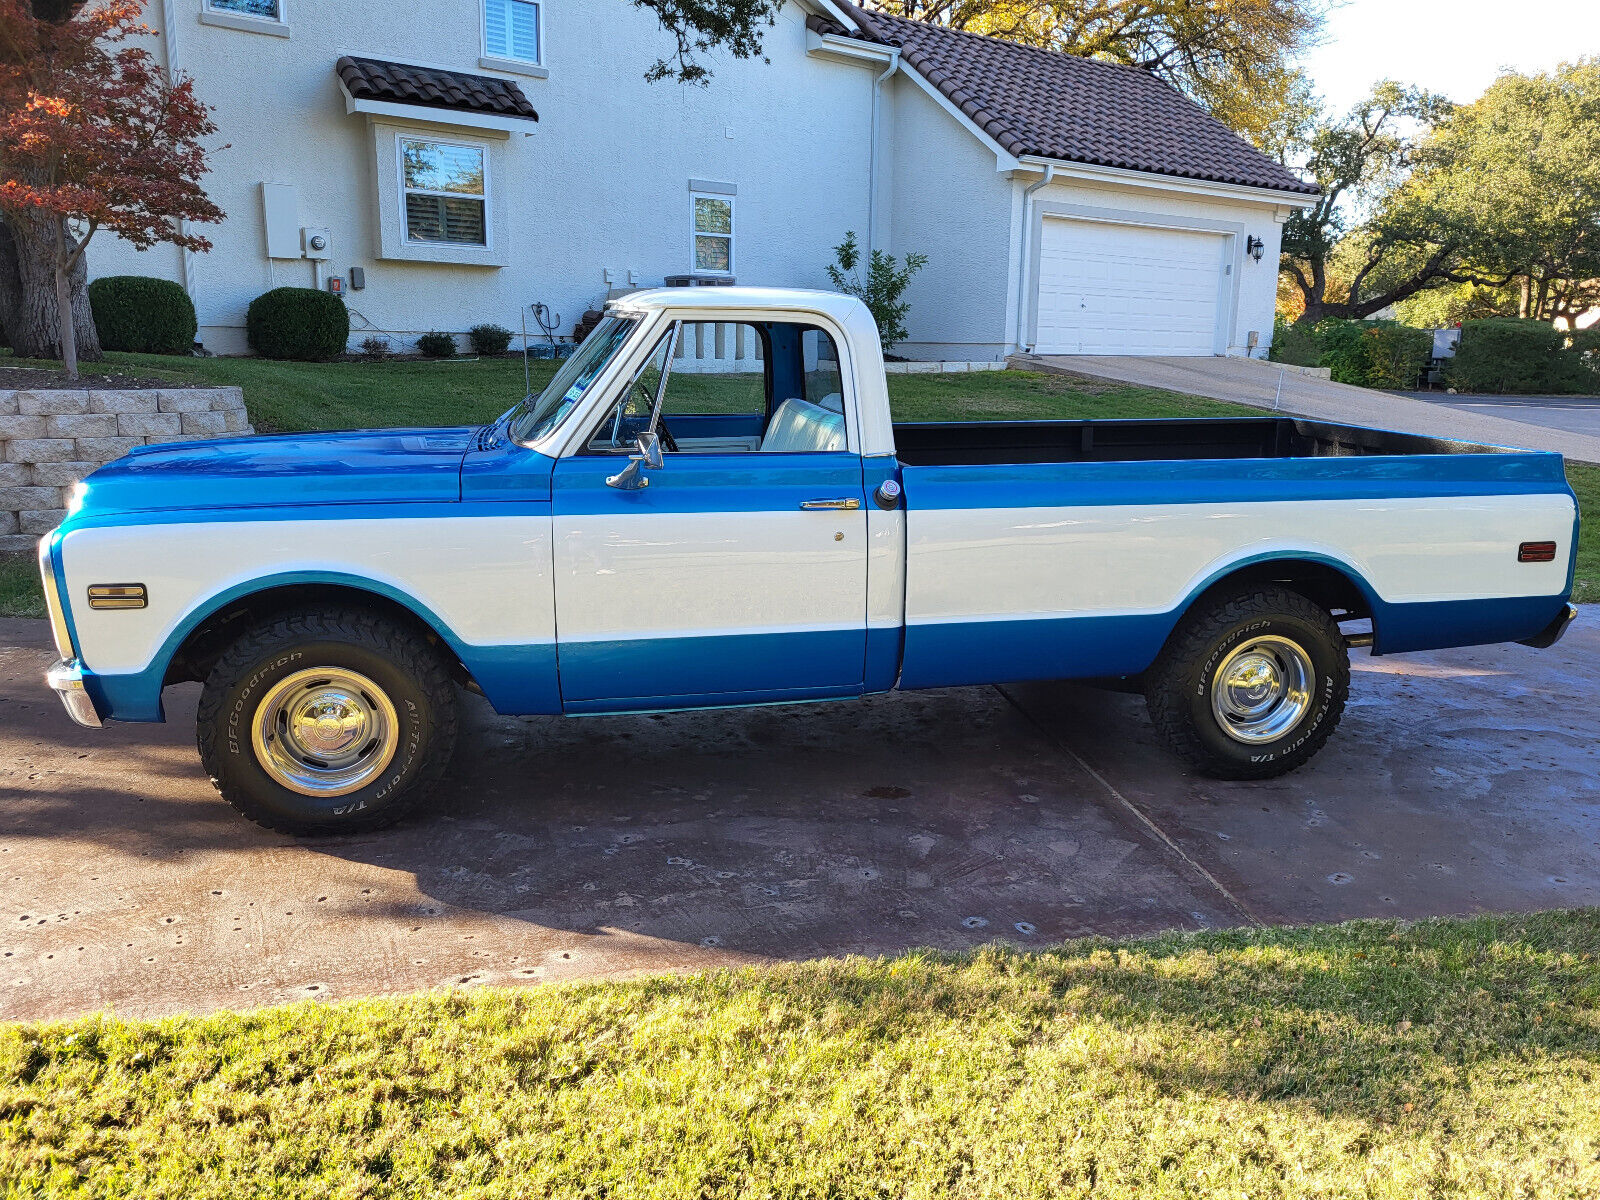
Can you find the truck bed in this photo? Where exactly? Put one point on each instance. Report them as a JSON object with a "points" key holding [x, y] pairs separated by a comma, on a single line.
{"points": [[981, 443]]}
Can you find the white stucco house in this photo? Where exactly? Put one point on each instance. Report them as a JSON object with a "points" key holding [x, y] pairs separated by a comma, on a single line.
{"points": [[451, 163]]}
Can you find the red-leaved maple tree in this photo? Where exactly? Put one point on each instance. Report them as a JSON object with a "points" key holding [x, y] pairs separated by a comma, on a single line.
{"points": [[93, 135]]}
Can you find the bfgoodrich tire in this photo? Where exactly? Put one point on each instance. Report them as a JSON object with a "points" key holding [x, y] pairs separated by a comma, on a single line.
{"points": [[327, 722], [1251, 685]]}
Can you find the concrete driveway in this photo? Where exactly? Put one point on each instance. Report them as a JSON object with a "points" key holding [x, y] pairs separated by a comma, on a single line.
{"points": [[1269, 386], [557, 849]]}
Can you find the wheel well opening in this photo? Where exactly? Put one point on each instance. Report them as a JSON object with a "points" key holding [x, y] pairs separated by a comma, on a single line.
{"points": [[206, 643], [1324, 585]]}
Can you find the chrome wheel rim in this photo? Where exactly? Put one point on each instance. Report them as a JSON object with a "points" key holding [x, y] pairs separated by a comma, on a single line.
{"points": [[1262, 690], [326, 731]]}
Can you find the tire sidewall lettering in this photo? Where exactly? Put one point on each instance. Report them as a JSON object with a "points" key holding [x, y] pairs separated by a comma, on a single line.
{"points": [[238, 721], [1197, 682], [239, 714]]}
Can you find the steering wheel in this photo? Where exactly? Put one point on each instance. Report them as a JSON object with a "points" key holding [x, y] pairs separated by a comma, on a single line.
{"points": [[668, 442]]}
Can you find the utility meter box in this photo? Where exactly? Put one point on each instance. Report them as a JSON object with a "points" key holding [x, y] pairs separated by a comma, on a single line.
{"points": [[280, 211], [318, 243]]}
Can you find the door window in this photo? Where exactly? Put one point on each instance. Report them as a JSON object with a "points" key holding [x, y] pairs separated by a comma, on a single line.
{"points": [[734, 388]]}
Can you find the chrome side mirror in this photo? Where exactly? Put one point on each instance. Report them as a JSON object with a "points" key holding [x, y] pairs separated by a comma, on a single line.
{"points": [[632, 477]]}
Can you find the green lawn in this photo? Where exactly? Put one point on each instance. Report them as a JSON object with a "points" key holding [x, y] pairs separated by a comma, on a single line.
{"points": [[1446, 1058], [299, 396]]}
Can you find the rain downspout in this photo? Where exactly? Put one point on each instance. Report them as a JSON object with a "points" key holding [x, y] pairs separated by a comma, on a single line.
{"points": [[169, 32], [1022, 267], [872, 159]]}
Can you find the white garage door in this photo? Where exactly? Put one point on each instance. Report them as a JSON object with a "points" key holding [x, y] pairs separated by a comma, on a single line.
{"points": [[1127, 289]]}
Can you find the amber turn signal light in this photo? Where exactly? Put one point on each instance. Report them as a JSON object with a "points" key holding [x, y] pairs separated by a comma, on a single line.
{"points": [[117, 595]]}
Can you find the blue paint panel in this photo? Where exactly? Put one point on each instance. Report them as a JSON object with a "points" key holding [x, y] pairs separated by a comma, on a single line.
{"points": [[126, 697], [519, 681], [1090, 647], [664, 704], [320, 512], [522, 679], [884, 648], [506, 473], [951, 653], [1373, 477], [299, 469], [706, 483], [1435, 625], [651, 673]]}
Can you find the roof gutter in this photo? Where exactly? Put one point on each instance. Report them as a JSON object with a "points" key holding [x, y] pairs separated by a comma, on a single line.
{"points": [[1022, 266], [1174, 183], [169, 33]]}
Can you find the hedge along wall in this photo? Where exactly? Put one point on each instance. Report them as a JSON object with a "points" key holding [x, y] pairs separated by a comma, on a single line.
{"points": [[51, 439]]}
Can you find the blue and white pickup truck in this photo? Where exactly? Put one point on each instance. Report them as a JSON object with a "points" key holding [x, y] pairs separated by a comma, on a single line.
{"points": [[710, 506]]}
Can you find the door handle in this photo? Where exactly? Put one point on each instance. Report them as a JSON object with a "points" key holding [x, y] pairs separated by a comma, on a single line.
{"points": [[843, 503]]}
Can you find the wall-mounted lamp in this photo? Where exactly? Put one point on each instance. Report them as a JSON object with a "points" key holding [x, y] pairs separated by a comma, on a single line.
{"points": [[1254, 247]]}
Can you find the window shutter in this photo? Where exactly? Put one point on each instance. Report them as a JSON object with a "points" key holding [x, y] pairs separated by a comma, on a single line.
{"points": [[445, 219], [463, 221], [497, 26], [525, 31], [511, 29]]}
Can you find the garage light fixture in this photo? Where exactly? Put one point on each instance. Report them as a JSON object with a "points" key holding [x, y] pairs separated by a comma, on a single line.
{"points": [[1254, 246]]}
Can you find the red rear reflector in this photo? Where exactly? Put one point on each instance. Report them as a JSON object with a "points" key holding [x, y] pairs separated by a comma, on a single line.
{"points": [[1536, 552]]}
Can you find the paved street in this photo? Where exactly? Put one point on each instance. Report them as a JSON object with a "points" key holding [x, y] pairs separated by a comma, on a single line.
{"points": [[1573, 414], [559, 849]]}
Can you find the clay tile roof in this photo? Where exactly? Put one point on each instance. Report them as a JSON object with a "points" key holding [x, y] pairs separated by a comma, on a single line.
{"points": [[431, 87], [1046, 104]]}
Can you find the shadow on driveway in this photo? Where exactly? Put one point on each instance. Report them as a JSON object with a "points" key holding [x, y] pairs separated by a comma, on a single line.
{"points": [[560, 848]]}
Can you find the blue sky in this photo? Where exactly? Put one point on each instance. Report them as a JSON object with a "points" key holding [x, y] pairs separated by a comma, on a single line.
{"points": [[1452, 46]]}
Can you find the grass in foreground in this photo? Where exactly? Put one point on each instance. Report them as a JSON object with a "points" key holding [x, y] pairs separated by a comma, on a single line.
{"points": [[20, 593], [1585, 481], [1457, 1058]]}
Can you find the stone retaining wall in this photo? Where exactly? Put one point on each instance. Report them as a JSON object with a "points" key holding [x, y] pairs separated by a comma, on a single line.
{"points": [[51, 439]]}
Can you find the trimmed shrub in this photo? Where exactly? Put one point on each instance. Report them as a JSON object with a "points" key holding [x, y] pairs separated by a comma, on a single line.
{"points": [[1395, 355], [489, 339], [437, 345], [1297, 345], [143, 315], [1375, 354], [1512, 356], [302, 324], [374, 346]]}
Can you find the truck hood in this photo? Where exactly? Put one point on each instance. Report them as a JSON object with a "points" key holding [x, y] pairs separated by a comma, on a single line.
{"points": [[295, 469]]}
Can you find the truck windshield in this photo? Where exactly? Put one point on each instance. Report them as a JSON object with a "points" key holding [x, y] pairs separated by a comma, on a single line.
{"points": [[537, 416]]}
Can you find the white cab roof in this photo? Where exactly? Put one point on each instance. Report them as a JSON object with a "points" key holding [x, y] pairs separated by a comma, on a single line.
{"points": [[840, 307]]}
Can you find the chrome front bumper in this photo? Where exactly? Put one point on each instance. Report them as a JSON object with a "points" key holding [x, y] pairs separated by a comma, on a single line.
{"points": [[66, 680]]}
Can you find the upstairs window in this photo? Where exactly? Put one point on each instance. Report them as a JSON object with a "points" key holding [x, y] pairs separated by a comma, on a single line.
{"points": [[271, 10], [446, 191], [713, 235], [511, 30]]}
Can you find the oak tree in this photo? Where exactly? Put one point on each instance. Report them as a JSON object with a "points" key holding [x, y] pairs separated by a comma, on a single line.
{"points": [[93, 135], [1523, 163], [1371, 240], [700, 26]]}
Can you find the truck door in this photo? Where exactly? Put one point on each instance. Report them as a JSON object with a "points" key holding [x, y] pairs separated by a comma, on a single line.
{"points": [[738, 573]]}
